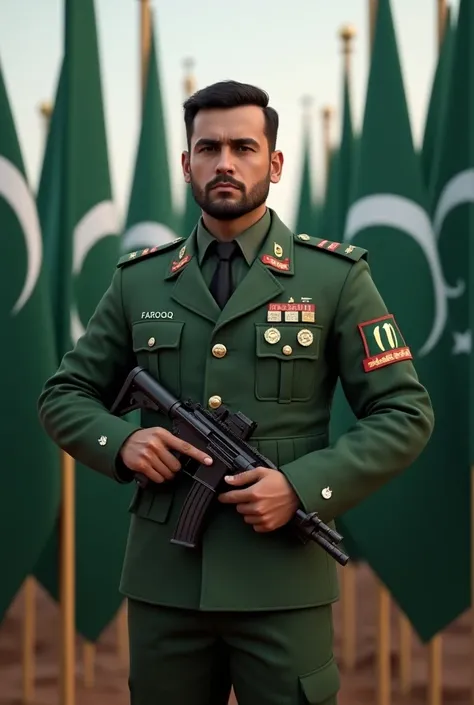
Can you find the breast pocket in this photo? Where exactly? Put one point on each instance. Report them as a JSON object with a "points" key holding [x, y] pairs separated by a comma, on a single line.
{"points": [[157, 347], [286, 362]]}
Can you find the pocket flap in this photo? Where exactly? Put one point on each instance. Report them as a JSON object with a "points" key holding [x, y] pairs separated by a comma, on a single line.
{"points": [[153, 504], [320, 685], [153, 335], [289, 341]]}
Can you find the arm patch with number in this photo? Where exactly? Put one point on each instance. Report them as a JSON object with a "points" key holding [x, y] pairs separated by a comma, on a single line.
{"points": [[383, 343]]}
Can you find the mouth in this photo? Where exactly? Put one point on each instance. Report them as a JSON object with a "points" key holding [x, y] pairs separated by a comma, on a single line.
{"points": [[224, 185]]}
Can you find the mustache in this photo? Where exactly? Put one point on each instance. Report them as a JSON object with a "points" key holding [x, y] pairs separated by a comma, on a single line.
{"points": [[222, 179]]}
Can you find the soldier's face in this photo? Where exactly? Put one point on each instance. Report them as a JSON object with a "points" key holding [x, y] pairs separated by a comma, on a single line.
{"points": [[229, 165]]}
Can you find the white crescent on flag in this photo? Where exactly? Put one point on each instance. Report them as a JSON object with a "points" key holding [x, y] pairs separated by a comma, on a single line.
{"points": [[100, 221], [458, 191], [15, 191]]}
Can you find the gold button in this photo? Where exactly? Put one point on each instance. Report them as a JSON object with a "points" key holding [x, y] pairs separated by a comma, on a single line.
{"points": [[304, 236], [219, 350], [151, 342], [215, 402], [326, 493], [287, 350]]}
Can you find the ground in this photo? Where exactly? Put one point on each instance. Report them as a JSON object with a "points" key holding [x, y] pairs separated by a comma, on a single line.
{"points": [[358, 687]]}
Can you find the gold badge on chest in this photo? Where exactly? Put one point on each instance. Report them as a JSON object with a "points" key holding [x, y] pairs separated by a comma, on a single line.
{"points": [[272, 335]]}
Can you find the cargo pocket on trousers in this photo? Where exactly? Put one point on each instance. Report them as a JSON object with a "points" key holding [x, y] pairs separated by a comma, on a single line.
{"points": [[153, 504], [322, 684]]}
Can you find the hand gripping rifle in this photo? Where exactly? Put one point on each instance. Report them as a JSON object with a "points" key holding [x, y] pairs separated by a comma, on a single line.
{"points": [[223, 435]]}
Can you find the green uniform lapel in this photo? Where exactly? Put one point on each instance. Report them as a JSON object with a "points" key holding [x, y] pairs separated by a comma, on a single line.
{"points": [[258, 286]]}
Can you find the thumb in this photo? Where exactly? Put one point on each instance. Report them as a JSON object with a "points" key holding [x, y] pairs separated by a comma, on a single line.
{"points": [[244, 478]]}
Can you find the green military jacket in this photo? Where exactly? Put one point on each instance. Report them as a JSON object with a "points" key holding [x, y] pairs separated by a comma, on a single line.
{"points": [[306, 313]]}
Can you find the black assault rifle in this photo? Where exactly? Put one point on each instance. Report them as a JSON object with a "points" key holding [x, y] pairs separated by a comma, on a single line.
{"points": [[223, 435]]}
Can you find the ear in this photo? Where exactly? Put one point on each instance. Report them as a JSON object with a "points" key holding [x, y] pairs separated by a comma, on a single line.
{"points": [[276, 166], [186, 167]]}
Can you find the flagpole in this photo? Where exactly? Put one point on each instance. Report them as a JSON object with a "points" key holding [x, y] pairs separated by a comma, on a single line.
{"points": [[29, 629], [145, 43], [442, 16], [347, 34], [383, 651], [327, 116], [67, 580], [372, 17]]}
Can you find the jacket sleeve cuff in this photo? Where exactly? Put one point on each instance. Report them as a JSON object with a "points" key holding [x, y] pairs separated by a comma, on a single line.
{"points": [[312, 488], [107, 436]]}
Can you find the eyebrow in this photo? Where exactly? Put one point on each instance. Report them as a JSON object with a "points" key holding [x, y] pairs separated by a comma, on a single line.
{"points": [[238, 142]]}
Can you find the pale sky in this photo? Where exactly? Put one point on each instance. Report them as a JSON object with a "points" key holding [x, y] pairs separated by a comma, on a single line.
{"points": [[290, 48]]}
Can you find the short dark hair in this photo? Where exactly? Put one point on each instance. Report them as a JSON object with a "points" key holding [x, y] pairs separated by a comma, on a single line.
{"points": [[231, 94]]}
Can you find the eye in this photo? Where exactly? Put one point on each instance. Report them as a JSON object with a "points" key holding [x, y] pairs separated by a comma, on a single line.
{"points": [[244, 148]]}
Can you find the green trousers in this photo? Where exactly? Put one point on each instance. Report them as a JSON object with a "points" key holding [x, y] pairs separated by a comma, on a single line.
{"points": [[185, 657]]}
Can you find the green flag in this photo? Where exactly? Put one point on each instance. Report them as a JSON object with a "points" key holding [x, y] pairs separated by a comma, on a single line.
{"points": [[151, 219], [404, 530], [437, 104], [453, 221], [306, 210], [83, 253], [29, 461]]}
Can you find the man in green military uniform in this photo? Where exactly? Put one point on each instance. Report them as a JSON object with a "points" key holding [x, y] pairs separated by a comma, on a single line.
{"points": [[248, 314]]}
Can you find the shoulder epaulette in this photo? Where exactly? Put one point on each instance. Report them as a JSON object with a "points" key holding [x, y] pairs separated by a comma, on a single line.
{"points": [[343, 249], [138, 255]]}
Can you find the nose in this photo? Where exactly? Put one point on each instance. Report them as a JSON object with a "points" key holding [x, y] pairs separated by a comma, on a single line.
{"points": [[225, 164]]}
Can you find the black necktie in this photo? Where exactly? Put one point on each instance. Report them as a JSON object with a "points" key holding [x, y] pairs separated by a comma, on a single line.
{"points": [[221, 285]]}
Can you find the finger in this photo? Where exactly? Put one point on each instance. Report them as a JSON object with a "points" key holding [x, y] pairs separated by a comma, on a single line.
{"points": [[186, 448], [248, 508], [253, 520], [170, 460], [159, 467], [153, 475], [237, 496], [244, 478]]}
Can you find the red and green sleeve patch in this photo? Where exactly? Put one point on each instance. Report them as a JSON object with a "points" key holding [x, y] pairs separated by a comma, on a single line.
{"points": [[383, 343]]}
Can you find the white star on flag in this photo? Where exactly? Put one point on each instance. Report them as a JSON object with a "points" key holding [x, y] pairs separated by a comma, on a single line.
{"points": [[462, 343]]}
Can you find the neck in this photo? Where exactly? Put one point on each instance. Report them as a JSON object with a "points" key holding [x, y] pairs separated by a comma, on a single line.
{"points": [[226, 230]]}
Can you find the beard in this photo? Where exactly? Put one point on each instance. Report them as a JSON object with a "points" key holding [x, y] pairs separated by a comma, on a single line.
{"points": [[224, 208]]}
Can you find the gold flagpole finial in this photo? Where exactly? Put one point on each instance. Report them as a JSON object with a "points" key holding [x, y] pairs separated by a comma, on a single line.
{"points": [[46, 109], [189, 83], [347, 34]]}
